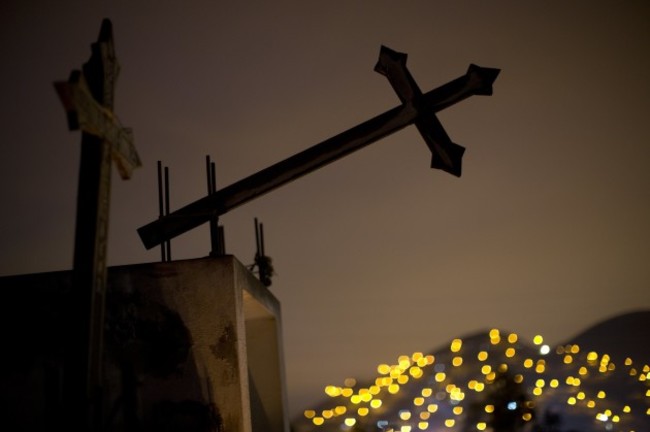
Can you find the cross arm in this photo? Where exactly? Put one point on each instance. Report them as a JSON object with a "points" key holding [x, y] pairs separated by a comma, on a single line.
{"points": [[85, 113], [445, 154]]}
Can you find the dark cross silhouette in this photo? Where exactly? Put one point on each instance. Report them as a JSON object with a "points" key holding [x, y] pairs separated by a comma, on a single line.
{"points": [[88, 98], [416, 108]]}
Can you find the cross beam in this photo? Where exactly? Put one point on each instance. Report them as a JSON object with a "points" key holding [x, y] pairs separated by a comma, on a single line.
{"points": [[416, 108]]}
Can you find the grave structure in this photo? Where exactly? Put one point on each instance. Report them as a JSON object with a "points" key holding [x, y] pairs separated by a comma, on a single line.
{"points": [[191, 345]]}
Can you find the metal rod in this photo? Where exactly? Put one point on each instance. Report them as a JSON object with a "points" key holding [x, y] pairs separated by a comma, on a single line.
{"points": [[161, 213], [168, 243]]}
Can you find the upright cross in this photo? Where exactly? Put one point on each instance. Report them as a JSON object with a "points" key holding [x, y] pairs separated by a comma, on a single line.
{"points": [[416, 108], [88, 98]]}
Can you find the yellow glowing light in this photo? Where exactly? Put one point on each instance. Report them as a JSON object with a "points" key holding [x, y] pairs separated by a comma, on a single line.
{"points": [[591, 404], [489, 409], [424, 415], [328, 414], [404, 362], [482, 356], [540, 383], [592, 356], [340, 410], [405, 414], [450, 423], [456, 345], [503, 367], [363, 411], [537, 340], [571, 401], [458, 410], [627, 409], [580, 395], [512, 338], [457, 361], [519, 378], [347, 392], [309, 414], [403, 379], [375, 403], [494, 333], [393, 388], [568, 359], [510, 352], [422, 362], [616, 419], [356, 399], [575, 349], [333, 391], [405, 429], [318, 421], [426, 392], [418, 401], [554, 383], [479, 387], [540, 368], [486, 369], [383, 369], [582, 371], [416, 356], [527, 416], [423, 425], [601, 395], [440, 377], [490, 377], [537, 391], [432, 408], [350, 421], [528, 363], [415, 372], [481, 426]]}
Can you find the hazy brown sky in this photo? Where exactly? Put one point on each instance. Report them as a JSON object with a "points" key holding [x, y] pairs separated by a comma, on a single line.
{"points": [[377, 255]]}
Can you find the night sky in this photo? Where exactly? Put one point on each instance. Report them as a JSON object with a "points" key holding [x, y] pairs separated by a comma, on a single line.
{"points": [[377, 255]]}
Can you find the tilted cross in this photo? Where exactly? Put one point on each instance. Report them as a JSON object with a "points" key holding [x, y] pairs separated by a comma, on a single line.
{"points": [[88, 98], [416, 108]]}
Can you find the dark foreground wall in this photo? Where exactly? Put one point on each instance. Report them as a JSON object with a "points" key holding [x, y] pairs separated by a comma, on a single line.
{"points": [[189, 346]]}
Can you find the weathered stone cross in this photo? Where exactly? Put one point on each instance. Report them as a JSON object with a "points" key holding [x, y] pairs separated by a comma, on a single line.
{"points": [[88, 98], [416, 108]]}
